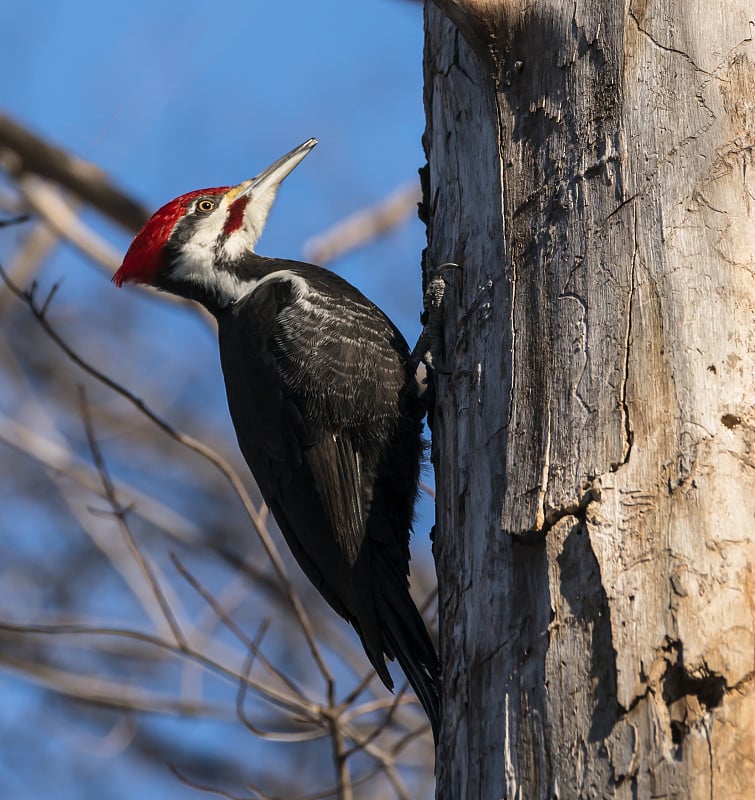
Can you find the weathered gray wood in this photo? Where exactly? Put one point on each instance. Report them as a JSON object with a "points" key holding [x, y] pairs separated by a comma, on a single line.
{"points": [[591, 169]]}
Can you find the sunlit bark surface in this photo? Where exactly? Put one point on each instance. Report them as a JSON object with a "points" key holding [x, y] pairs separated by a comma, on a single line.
{"points": [[591, 170]]}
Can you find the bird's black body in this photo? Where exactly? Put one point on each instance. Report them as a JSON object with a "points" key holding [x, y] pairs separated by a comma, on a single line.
{"points": [[330, 425], [325, 410]]}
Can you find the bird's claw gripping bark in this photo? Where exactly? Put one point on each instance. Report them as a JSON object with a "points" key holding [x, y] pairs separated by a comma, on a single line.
{"points": [[429, 350]]}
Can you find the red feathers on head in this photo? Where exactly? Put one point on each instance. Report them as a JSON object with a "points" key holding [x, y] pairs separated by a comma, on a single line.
{"points": [[145, 257]]}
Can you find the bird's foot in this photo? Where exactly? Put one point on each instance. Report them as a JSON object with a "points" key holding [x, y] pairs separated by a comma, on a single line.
{"points": [[429, 353]]}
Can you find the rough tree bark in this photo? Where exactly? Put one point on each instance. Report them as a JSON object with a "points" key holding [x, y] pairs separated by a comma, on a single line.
{"points": [[590, 167]]}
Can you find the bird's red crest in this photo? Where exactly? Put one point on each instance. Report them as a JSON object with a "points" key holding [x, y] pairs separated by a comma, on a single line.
{"points": [[145, 257]]}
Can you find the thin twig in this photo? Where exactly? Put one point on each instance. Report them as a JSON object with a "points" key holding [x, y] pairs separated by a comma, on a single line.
{"points": [[115, 549], [427, 489], [19, 220], [64, 461], [408, 737], [96, 690], [37, 244], [308, 711], [50, 295], [254, 650], [340, 760], [221, 614], [397, 700], [120, 514]]}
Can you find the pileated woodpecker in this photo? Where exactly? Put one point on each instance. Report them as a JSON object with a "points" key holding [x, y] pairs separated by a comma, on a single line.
{"points": [[326, 413]]}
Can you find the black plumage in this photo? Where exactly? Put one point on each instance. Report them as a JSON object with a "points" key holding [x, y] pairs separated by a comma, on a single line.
{"points": [[330, 424], [325, 409]]}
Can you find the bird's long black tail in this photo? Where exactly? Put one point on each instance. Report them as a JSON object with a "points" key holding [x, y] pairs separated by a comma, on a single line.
{"points": [[408, 640]]}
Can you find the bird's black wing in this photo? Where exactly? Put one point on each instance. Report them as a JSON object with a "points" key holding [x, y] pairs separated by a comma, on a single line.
{"points": [[298, 417]]}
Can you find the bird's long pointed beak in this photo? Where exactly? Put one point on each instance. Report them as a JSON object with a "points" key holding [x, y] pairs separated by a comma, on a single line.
{"points": [[273, 176]]}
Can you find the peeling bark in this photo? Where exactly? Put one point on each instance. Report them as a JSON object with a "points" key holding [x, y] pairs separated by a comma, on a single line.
{"points": [[590, 167]]}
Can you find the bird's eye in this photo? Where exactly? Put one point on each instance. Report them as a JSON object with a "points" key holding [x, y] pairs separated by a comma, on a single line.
{"points": [[206, 205]]}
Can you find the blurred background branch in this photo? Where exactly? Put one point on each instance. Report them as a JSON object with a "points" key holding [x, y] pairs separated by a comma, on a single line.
{"points": [[23, 153], [364, 226]]}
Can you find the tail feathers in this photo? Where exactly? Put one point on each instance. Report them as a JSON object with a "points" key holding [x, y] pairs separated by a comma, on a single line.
{"points": [[408, 640]]}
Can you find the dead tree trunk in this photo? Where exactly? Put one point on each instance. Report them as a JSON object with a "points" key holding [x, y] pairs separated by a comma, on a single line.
{"points": [[591, 170]]}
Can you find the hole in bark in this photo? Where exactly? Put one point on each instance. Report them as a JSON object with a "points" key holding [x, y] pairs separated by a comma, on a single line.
{"points": [[708, 689], [688, 697], [731, 420]]}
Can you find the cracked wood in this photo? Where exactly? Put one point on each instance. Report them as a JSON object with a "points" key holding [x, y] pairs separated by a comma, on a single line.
{"points": [[591, 170]]}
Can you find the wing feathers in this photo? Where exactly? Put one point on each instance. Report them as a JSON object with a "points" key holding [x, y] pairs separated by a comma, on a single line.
{"points": [[321, 443]]}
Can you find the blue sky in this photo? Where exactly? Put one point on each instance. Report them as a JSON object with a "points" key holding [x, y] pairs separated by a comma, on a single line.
{"points": [[172, 96]]}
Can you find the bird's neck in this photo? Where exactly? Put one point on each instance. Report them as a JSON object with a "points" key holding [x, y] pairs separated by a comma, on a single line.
{"points": [[224, 283]]}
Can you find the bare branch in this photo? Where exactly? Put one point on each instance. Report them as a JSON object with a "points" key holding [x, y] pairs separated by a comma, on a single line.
{"points": [[64, 461], [120, 514], [398, 699], [364, 226], [48, 201], [93, 689], [254, 651], [37, 244], [308, 711], [248, 643], [116, 550], [259, 795], [32, 154], [340, 760]]}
